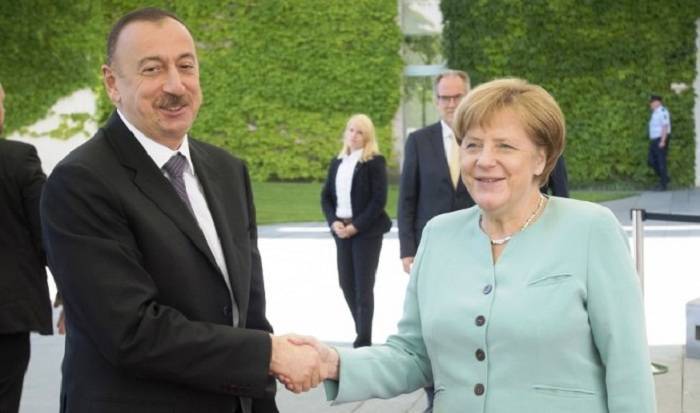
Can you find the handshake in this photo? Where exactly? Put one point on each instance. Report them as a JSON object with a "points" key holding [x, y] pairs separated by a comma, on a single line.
{"points": [[302, 362]]}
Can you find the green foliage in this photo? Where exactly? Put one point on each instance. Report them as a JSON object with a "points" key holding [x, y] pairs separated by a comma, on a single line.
{"points": [[294, 74], [600, 60], [280, 78], [48, 50]]}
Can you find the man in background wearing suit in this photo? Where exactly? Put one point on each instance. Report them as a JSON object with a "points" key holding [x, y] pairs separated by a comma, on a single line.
{"points": [[151, 236], [24, 294], [430, 180]]}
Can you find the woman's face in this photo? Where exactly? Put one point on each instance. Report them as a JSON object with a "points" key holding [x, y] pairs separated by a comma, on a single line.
{"points": [[500, 165], [354, 136]]}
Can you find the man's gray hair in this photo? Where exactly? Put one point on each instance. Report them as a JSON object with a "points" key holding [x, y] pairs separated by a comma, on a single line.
{"points": [[452, 73]]}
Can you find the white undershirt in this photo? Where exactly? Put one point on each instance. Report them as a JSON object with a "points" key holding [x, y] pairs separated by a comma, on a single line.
{"points": [[343, 183], [160, 155]]}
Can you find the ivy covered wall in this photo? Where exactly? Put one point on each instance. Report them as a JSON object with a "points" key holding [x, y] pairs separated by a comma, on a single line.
{"points": [[601, 59], [279, 77], [48, 49]]}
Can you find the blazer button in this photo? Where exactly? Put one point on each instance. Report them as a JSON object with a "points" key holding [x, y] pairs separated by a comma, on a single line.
{"points": [[480, 355], [227, 311], [487, 289], [479, 389], [480, 321]]}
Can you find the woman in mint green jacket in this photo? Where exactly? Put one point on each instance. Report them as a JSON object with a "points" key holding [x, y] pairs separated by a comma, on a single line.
{"points": [[522, 303]]}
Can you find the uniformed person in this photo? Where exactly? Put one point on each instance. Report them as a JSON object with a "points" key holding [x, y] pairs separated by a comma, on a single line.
{"points": [[659, 137]]}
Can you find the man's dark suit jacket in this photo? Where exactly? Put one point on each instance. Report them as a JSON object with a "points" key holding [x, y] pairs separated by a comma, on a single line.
{"points": [[426, 187], [24, 295], [558, 183], [148, 313], [367, 197]]}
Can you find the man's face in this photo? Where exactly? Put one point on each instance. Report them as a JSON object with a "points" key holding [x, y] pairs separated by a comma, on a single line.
{"points": [[450, 92], [2, 109], [154, 79], [654, 104]]}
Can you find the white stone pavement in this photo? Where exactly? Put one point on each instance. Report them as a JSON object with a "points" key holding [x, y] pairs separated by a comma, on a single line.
{"points": [[303, 297]]}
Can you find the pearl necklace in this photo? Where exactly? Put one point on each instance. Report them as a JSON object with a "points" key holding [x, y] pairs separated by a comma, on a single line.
{"points": [[501, 241]]}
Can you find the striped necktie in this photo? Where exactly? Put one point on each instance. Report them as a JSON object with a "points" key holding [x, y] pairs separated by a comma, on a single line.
{"points": [[175, 168]]}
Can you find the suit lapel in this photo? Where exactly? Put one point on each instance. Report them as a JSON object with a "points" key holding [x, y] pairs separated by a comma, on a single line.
{"points": [[153, 184], [356, 172], [214, 192]]}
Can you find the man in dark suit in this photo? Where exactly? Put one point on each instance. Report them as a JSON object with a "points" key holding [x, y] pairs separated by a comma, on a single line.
{"points": [[24, 294], [151, 236], [430, 182]]}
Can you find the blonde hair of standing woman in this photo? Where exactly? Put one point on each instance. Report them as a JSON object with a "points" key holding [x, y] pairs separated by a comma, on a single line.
{"points": [[370, 148]]}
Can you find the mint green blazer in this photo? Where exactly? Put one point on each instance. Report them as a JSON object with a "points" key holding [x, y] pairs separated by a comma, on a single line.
{"points": [[556, 325]]}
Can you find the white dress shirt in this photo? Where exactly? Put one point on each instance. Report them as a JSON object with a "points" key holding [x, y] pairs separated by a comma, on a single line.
{"points": [[343, 183], [447, 136], [659, 118], [160, 155]]}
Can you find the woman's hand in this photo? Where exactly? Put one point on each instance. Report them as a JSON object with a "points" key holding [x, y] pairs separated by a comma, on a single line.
{"points": [[338, 228], [350, 231], [330, 360]]}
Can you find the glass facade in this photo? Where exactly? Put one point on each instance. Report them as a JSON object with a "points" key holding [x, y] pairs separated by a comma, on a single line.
{"points": [[421, 25]]}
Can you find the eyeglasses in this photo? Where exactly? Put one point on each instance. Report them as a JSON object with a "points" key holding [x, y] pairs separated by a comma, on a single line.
{"points": [[448, 99]]}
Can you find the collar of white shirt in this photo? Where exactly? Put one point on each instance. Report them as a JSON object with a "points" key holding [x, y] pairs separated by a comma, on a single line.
{"points": [[159, 152], [354, 155], [446, 130]]}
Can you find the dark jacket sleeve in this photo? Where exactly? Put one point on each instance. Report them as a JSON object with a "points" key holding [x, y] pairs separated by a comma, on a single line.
{"points": [[31, 181], [377, 182], [328, 200], [409, 188], [256, 318]]}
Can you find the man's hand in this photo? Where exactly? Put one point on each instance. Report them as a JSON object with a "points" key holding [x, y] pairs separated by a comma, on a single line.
{"points": [[662, 143], [61, 323], [407, 264], [330, 361], [297, 366]]}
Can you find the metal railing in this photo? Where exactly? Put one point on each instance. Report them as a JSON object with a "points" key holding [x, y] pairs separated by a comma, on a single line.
{"points": [[638, 218]]}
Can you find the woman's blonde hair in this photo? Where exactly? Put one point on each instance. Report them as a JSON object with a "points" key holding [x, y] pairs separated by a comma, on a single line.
{"points": [[370, 148], [539, 115]]}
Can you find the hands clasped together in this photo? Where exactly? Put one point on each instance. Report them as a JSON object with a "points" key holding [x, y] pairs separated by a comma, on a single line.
{"points": [[302, 362], [342, 230]]}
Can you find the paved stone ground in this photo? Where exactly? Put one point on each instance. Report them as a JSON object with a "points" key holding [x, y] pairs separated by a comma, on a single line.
{"points": [[303, 297]]}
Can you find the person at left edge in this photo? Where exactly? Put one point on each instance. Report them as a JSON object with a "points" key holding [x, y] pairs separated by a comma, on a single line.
{"points": [[24, 293], [151, 236], [353, 200]]}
